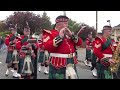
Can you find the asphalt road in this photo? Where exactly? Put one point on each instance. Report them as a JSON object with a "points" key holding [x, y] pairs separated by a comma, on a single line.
{"points": [[82, 70], [3, 67]]}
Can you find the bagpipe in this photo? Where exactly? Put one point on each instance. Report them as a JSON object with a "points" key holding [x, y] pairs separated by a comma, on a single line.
{"points": [[29, 55], [31, 42], [29, 51]]}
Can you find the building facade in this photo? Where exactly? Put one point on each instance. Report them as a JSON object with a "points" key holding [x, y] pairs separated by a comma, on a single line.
{"points": [[116, 32]]}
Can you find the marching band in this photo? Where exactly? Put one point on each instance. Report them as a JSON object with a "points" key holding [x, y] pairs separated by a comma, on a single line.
{"points": [[56, 52]]}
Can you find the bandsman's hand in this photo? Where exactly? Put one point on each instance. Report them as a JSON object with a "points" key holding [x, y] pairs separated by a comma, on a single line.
{"points": [[15, 40], [61, 33], [68, 32], [111, 61]]}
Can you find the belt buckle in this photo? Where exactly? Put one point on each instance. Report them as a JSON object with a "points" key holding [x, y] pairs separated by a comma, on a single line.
{"points": [[70, 55]]}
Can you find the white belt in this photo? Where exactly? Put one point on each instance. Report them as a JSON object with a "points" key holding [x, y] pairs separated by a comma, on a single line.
{"points": [[107, 55], [62, 55]]}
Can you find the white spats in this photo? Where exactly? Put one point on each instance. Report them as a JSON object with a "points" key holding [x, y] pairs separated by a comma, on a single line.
{"points": [[7, 72], [46, 70], [94, 72]]}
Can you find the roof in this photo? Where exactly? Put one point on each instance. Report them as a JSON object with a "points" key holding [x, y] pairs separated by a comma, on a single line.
{"points": [[117, 27]]}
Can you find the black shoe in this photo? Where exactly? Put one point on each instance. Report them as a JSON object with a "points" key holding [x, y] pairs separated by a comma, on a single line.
{"points": [[15, 77], [46, 73], [6, 75]]}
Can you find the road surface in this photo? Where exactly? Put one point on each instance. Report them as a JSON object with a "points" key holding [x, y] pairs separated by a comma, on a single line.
{"points": [[83, 71]]}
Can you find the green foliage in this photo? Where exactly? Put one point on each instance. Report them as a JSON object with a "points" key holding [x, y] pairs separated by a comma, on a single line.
{"points": [[3, 26], [36, 22], [73, 26], [4, 34], [47, 22]]}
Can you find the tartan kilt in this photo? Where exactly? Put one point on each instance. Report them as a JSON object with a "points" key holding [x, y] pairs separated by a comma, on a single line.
{"points": [[41, 57], [61, 72], [103, 72], [9, 57]]}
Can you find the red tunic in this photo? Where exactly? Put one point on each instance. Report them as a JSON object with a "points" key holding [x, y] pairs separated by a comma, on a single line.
{"points": [[98, 47], [66, 47], [40, 44], [19, 46], [7, 42]]}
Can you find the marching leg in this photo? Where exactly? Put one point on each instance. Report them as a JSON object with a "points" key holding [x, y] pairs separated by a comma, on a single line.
{"points": [[7, 72], [15, 74], [46, 68], [94, 72], [39, 67]]}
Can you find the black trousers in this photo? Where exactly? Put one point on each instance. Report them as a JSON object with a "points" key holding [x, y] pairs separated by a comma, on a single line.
{"points": [[88, 55], [93, 61]]}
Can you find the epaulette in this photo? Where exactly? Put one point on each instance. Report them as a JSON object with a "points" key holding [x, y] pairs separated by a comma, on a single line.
{"points": [[47, 31]]}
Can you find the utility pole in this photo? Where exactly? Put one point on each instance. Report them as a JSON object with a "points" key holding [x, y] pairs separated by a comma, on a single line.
{"points": [[96, 22], [64, 13]]}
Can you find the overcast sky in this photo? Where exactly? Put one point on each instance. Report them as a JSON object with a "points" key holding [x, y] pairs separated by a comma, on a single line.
{"points": [[103, 16], [88, 17]]}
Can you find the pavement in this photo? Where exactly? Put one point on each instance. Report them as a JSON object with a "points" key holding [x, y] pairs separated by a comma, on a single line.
{"points": [[83, 71]]}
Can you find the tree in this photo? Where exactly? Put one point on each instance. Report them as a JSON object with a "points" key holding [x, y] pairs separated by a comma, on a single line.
{"points": [[47, 23], [73, 26], [36, 22], [3, 26]]}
